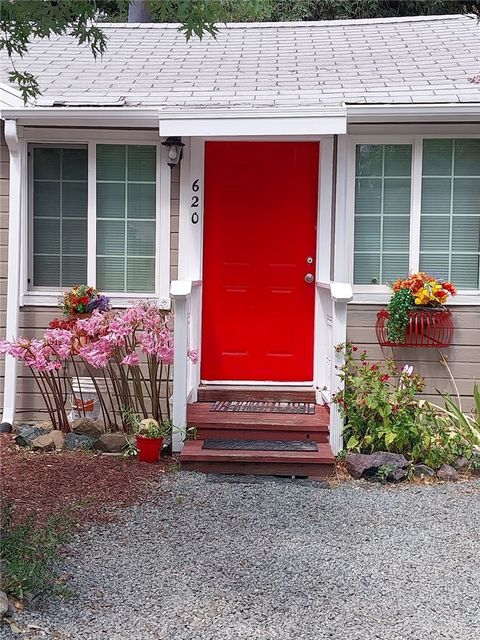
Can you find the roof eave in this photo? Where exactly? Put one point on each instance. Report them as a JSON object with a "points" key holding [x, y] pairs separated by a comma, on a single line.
{"points": [[410, 113], [297, 120]]}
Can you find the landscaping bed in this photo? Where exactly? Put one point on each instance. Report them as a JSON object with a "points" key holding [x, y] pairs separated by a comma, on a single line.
{"points": [[90, 485]]}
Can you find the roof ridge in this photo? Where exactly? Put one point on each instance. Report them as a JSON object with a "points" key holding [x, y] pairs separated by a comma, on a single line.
{"points": [[305, 23]]}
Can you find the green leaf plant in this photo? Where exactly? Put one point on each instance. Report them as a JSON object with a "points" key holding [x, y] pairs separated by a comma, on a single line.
{"points": [[398, 309], [382, 413]]}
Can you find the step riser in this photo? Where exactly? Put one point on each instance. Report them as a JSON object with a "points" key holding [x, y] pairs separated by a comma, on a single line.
{"points": [[228, 433], [312, 471], [208, 394]]}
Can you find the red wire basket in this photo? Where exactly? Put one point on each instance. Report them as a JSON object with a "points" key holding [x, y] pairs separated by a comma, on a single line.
{"points": [[427, 328]]}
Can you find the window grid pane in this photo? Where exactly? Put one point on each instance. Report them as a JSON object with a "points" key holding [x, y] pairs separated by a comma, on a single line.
{"points": [[450, 216], [126, 218], [382, 212], [59, 216]]}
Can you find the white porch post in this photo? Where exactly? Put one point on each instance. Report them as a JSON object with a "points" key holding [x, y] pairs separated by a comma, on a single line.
{"points": [[341, 295], [13, 273], [180, 291]]}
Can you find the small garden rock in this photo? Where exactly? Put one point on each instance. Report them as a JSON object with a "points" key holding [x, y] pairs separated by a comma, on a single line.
{"points": [[87, 427], [78, 441], [5, 427], [422, 470], [45, 424], [49, 441], [447, 473], [3, 604], [111, 442], [27, 434], [360, 465], [462, 463]]}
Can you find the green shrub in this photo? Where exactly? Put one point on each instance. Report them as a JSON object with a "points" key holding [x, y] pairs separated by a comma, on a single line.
{"points": [[383, 414], [29, 551]]}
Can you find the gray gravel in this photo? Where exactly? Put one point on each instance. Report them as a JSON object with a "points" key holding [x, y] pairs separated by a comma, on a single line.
{"points": [[272, 559]]}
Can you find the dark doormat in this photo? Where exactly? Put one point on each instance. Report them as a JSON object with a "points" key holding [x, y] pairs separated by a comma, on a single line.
{"points": [[261, 445], [264, 407]]}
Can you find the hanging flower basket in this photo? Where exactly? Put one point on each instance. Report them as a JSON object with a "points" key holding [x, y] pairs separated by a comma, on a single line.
{"points": [[416, 315], [427, 328]]}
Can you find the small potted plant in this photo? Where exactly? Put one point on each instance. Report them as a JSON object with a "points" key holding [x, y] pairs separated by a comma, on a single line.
{"points": [[79, 302], [149, 435], [416, 315], [82, 300]]}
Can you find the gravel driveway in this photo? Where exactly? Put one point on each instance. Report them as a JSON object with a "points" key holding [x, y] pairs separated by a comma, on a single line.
{"points": [[278, 559]]}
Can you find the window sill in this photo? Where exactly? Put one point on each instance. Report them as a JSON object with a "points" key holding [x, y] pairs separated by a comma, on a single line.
{"points": [[119, 301], [463, 298]]}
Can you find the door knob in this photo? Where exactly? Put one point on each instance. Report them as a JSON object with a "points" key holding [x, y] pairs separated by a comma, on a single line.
{"points": [[309, 278]]}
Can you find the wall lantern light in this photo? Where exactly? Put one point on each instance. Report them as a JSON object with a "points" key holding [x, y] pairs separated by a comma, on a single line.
{"points": [[175, 150]]}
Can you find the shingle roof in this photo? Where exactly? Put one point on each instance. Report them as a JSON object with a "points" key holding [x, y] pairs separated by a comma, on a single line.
{"points": [[310, 64]]}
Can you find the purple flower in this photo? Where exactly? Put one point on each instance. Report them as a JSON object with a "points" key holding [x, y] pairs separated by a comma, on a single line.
{"points": [[99, 303]]}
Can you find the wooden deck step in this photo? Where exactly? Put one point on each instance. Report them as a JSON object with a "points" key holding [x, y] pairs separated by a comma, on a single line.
{"points": [[315, 465], [261, 393], [258, 426]]}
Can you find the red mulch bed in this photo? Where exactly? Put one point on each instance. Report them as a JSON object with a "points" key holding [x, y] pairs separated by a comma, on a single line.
{"points": [[90, 486]]}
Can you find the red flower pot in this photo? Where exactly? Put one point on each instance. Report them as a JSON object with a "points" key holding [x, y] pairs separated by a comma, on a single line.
{"points": [[427, 328], [149, 449]]}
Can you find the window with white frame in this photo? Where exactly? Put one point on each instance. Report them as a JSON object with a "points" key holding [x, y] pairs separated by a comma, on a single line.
{"points": [[125, 225], [450, 223], [126, 195], [59, 197], [447, 213], [382, 212]]}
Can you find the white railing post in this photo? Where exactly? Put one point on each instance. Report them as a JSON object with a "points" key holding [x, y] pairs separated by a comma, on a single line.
{"points": [[341, 295], [180, 290], [13, 273]]}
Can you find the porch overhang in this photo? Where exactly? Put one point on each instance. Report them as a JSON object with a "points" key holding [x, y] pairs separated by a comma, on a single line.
{"points": [[254, 122]]}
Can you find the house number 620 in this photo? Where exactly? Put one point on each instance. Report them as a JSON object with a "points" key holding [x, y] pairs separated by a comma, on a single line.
{"points": [[195, 201]]}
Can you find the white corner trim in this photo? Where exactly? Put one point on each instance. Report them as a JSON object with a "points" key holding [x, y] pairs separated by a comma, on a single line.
{"points": [[13, 269]]}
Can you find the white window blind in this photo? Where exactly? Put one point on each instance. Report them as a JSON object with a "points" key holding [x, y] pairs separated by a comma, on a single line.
{"points": [[59, 216], [126, 213], [450, 223], [382, 212]]}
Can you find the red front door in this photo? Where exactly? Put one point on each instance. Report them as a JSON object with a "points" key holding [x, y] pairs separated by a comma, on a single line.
{"points": [[259, 244]]}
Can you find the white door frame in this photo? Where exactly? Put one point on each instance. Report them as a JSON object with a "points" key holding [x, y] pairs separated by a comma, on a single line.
{"points": [[190, 249]]}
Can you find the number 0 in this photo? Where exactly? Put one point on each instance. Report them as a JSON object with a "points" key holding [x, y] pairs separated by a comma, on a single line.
{"points": [[194, 218]]}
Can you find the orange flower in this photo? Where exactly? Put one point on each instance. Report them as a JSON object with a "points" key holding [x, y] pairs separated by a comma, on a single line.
{"points": [[448, 286]]}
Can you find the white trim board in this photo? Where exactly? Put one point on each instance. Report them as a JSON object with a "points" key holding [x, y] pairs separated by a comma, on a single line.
{"points": [[204, 125]]}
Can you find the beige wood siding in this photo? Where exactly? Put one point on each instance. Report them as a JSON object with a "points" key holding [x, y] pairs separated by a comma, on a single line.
{"points": [[34, 320], [463, 355]]}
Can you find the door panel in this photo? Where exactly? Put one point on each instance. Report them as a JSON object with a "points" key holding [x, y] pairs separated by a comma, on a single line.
{"points": [[260, 228]]}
